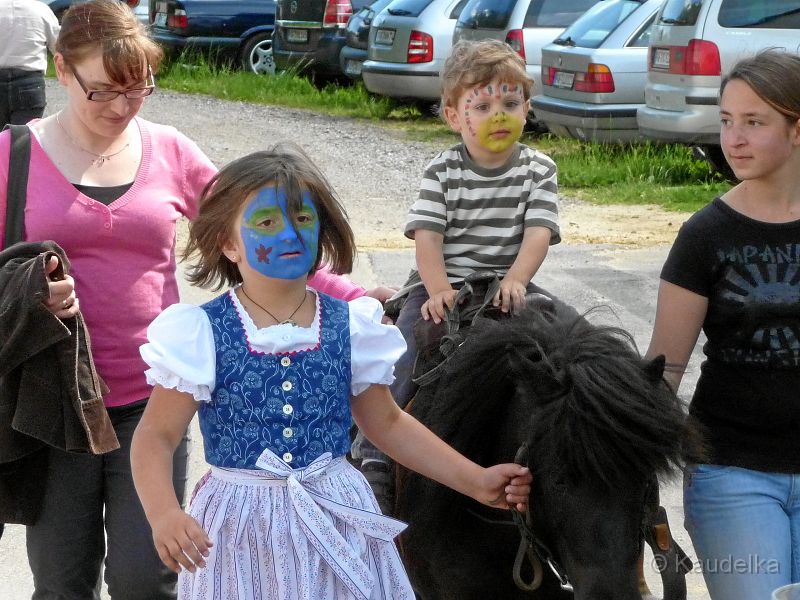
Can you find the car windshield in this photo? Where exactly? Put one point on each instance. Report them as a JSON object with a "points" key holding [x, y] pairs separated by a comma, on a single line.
{"points": [[680, 12], [486, 14], [773, 14], [555, 13], [407, 8], [597, 23]]}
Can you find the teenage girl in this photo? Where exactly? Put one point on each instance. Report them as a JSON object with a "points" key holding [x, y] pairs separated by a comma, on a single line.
{"points": [[734, 272]]}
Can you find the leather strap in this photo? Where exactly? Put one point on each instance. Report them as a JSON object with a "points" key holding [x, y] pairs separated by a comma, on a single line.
{"points": [[18, 163]]}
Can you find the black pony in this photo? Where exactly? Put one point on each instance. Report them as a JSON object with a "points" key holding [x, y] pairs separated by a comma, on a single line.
{"points": [[600, 425]]}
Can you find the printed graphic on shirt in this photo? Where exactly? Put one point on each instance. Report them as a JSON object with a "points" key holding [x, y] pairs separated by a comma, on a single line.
{"points": [[758, 290]]}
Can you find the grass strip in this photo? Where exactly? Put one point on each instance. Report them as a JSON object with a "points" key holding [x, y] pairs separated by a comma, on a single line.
{"points": [[666, 175]]}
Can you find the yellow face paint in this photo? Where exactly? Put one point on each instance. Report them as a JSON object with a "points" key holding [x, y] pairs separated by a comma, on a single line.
{"points": [[499, 132]]}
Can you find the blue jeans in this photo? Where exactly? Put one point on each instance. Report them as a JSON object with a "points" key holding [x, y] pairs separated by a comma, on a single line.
{"points": [[745, 527]]}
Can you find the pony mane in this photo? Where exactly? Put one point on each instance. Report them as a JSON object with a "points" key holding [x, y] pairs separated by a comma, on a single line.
{"points": [[600, 415]]}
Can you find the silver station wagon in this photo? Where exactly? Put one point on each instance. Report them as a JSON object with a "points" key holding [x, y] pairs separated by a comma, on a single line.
{"points": [[593, 75], [408, 44], [694, 42]]}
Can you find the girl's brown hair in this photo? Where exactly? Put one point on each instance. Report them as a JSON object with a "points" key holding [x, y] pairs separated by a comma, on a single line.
{"points": [[283, 166], [774, 76], [472, 64], [110, 27]]}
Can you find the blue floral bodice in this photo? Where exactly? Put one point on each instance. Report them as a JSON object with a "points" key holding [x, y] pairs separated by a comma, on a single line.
{"points": [[296, 404]]}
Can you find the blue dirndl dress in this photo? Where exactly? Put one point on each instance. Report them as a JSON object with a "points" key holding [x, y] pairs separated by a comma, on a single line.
{"points": [[290, 518]]}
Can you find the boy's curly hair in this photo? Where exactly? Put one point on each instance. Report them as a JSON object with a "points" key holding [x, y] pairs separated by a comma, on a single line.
{"points": [[474, 64]]}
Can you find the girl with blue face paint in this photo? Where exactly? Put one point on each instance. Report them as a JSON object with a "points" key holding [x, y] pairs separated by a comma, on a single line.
{"points": [[277, 244], [276, 373]]}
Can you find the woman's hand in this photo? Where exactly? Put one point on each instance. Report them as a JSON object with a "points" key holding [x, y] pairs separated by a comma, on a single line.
{"points": [[381, 293], [180, 541], [62, 301], [504, 486]]}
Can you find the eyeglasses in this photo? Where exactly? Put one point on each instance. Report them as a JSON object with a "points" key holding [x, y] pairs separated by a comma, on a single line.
{"points": [[109, 95]]}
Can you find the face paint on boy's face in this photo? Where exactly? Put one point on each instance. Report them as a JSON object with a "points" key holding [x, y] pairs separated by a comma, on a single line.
{"points": [[494, 115], [274, 246]]}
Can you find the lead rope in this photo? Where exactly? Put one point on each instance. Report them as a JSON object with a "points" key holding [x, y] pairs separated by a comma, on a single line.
{"points": [[532, 548]]}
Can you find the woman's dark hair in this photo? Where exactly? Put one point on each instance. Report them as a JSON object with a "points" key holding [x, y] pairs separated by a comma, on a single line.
{"points": [[774, 76], [108, 26], [283, 166]]}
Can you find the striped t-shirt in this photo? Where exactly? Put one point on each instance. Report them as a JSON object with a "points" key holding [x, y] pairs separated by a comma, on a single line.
{"points": [[482, 212]]}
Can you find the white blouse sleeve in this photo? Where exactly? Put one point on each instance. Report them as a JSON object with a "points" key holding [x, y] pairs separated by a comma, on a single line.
{"points": [[374, 347], [180, 351]]}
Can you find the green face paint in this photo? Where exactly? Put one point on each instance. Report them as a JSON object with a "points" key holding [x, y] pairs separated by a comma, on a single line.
{"points": [[499, 132]]}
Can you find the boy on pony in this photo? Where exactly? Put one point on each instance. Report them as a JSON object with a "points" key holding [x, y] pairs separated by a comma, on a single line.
{"points": [[489, 203]]}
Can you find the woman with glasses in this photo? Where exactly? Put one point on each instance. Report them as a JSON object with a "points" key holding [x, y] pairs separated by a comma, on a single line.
{"points": [[108, 187]]}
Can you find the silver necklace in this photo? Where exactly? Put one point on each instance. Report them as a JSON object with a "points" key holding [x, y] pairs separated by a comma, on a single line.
{"points": [[99, 158], [288, 320]]}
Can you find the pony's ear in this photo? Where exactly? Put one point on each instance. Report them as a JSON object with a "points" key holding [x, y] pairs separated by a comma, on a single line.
{"points": [[654, 369]]}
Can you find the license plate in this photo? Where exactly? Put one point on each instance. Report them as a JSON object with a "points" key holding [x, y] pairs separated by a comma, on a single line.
{"points": [[297, 36], [563, 79], [352, 67], [661, 58], [160, 20], [384, 37]]}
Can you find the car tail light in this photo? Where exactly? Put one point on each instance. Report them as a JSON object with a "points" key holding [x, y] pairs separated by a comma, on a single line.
{"points": [[702, 58], [178, 19], [420, 47], [699, 57], [515, 40], [548, 75], [132, 3], [337, 12], [597, 80]]}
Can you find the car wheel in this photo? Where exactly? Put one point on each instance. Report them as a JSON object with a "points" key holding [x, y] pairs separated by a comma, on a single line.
{"points": [[257, 54]]}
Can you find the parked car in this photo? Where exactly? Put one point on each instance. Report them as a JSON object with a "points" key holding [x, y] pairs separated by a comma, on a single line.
{"points": [[59, 7], [694, 42], [408, 44], [241, 30], [593, 74], [526, 25], [354, 52], [310, 34]]}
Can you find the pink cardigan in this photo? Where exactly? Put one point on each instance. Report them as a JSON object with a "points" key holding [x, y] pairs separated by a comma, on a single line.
{"points": [[123, 255]]}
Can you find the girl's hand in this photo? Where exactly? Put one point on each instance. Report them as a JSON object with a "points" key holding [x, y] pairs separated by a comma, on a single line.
{"points": [[510, 296], [434, 306], [62, 301], [180, 541], [504, 486]]}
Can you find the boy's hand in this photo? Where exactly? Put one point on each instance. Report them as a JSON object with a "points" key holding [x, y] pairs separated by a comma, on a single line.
{"points": [[510, 296], [180, 541], [434, 306], [505, 485]]}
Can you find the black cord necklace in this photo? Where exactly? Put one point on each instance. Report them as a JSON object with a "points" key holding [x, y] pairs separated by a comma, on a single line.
{"points": [[289, 320]]}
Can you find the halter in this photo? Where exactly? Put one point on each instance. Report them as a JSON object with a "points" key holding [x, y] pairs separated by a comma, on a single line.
{"points": [[671, 561]]}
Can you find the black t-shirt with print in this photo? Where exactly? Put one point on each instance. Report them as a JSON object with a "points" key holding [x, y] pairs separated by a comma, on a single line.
{"points": [[748, 394]]}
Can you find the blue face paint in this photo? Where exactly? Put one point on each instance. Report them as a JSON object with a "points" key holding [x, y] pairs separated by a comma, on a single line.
{"points": [[274, 246]]}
